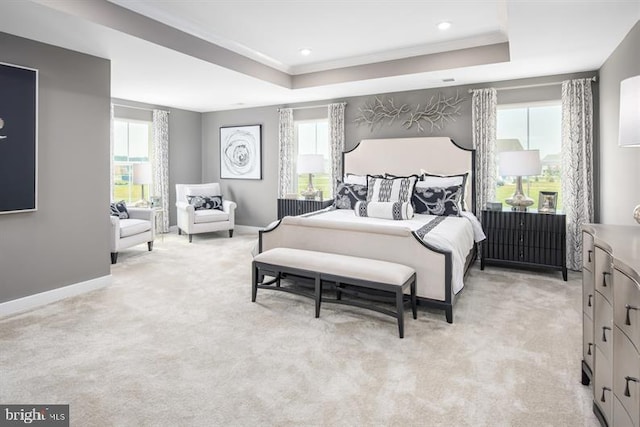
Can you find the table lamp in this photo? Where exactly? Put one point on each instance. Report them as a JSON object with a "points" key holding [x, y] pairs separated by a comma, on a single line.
{"points": [[142, 176], [520, 163], [629, 132], [310, 163]]}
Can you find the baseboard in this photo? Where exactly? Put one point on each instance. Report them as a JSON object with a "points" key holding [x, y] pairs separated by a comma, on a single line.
{"points": [[32, 301]]}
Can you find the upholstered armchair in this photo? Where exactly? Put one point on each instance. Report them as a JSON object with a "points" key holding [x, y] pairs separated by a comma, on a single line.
{"points": [[206, 213], [138, 228]]}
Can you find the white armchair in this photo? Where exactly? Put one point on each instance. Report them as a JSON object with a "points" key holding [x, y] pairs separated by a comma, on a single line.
{"points": [[193, 221], [138, 228]]}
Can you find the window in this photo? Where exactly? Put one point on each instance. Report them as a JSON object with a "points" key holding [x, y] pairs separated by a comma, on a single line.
{"points": [[131, 146], [537, 127], [312, 137]]}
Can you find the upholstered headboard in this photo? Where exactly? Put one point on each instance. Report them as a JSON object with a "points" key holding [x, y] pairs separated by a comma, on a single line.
{"points": [[406, 156]]}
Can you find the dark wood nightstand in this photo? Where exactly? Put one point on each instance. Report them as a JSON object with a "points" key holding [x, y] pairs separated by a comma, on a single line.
{"points": [[294, 207], [529, 239]]}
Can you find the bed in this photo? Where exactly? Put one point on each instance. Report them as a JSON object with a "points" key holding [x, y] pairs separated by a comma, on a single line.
{"points": [[440, 263]]}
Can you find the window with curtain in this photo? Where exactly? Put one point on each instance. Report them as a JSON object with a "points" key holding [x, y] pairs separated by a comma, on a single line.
{"points": [[312, 137], [535, 126], [131, 160]]}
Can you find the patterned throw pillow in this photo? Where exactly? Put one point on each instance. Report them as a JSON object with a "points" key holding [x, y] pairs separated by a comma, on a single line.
{"points": [[397, 189], [441, 201], [432, 180], [205, 202], [119, 209], [384, 210], [347, 195]]}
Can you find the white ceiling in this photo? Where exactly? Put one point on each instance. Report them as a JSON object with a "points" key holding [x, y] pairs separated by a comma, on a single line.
{"points": [[153, 64]]}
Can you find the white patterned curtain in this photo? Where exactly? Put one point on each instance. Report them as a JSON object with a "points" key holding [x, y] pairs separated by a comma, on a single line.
{"points": [[336, 141], [577, 164], [484, 105], [111, 136], [286, 148], [160, 165]]}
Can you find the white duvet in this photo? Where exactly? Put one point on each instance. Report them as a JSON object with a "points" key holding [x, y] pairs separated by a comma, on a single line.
{"points": [[453, 234]]}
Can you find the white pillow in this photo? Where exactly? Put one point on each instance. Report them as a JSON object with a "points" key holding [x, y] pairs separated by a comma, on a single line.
{"points": [[355, 179], [384, 210]]}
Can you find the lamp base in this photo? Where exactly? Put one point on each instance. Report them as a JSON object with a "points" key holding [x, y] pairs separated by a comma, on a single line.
{"points": [[519, 201], [309, 194], [636, 214]]}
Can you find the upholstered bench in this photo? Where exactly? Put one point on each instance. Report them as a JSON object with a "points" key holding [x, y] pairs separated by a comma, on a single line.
{"points": [[338, 269]]}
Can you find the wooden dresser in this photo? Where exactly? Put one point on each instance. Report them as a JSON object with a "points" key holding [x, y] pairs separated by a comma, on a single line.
{"points": [[611, 321]]}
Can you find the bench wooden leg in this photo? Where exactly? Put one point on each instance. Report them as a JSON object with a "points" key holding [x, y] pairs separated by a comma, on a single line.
{"points": [[318, 294], [254, 281], [414, 300], [400, 311]]}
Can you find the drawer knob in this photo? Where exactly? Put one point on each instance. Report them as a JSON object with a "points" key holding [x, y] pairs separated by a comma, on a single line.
{"points": [[626, 388], [602, 399], [589, 255], [589, 348], [589, 300], [604, 333], [628, 319], [604, 278]]}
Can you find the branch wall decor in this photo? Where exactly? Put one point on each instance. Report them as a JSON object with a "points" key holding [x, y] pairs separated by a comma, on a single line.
{"points": [[436, 112]]}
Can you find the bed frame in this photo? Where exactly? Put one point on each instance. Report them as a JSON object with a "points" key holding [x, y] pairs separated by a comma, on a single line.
{"points": [[399, 156]]}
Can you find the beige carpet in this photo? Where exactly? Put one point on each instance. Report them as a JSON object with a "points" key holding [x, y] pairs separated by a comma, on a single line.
{"points": [[175, 341]]}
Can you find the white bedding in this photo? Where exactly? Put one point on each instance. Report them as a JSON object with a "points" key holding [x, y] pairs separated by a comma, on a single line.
{"points": [[454, 234]]}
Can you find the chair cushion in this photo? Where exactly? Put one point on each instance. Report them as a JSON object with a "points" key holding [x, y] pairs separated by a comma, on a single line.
{"points": [[209, 215], [212, 189], [119, 209], [130, 227]]}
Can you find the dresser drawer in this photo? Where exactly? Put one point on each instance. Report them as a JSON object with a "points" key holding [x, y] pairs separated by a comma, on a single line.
{"points": [[587, 292], [620, 416], [587, 251], [626, 374], [603, 272], [587, 341], [603, 321], [626, 306], [602, 385]]}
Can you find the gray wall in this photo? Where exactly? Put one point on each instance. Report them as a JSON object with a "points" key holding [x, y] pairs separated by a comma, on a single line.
{"points": [[67, 240], [185, 136], [620, 166], [257, 199]]}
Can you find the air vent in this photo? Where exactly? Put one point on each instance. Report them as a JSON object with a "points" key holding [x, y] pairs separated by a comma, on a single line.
{"points": [[448, 80]]}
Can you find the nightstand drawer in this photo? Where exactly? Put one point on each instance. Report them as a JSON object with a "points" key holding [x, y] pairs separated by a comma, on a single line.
{"points": [[603, 325], [603, 385], [626, 306], [587, 251], [588, 347], [587, 293], [603, 272], [620, 416], [626, 375]]}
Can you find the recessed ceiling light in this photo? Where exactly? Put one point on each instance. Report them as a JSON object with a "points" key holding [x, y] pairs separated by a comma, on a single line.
{"points": [[444, 25], [305, 51]]}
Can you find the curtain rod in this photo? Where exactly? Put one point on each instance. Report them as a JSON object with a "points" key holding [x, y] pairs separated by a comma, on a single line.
{"points": [[312, 106], [138, 108], [593, 79]]}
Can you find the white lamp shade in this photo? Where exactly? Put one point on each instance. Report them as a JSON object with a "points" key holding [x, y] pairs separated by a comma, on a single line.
{"points": [[310, 163], [508, 144], [142, 173], [629, 133], [520, 163]]}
